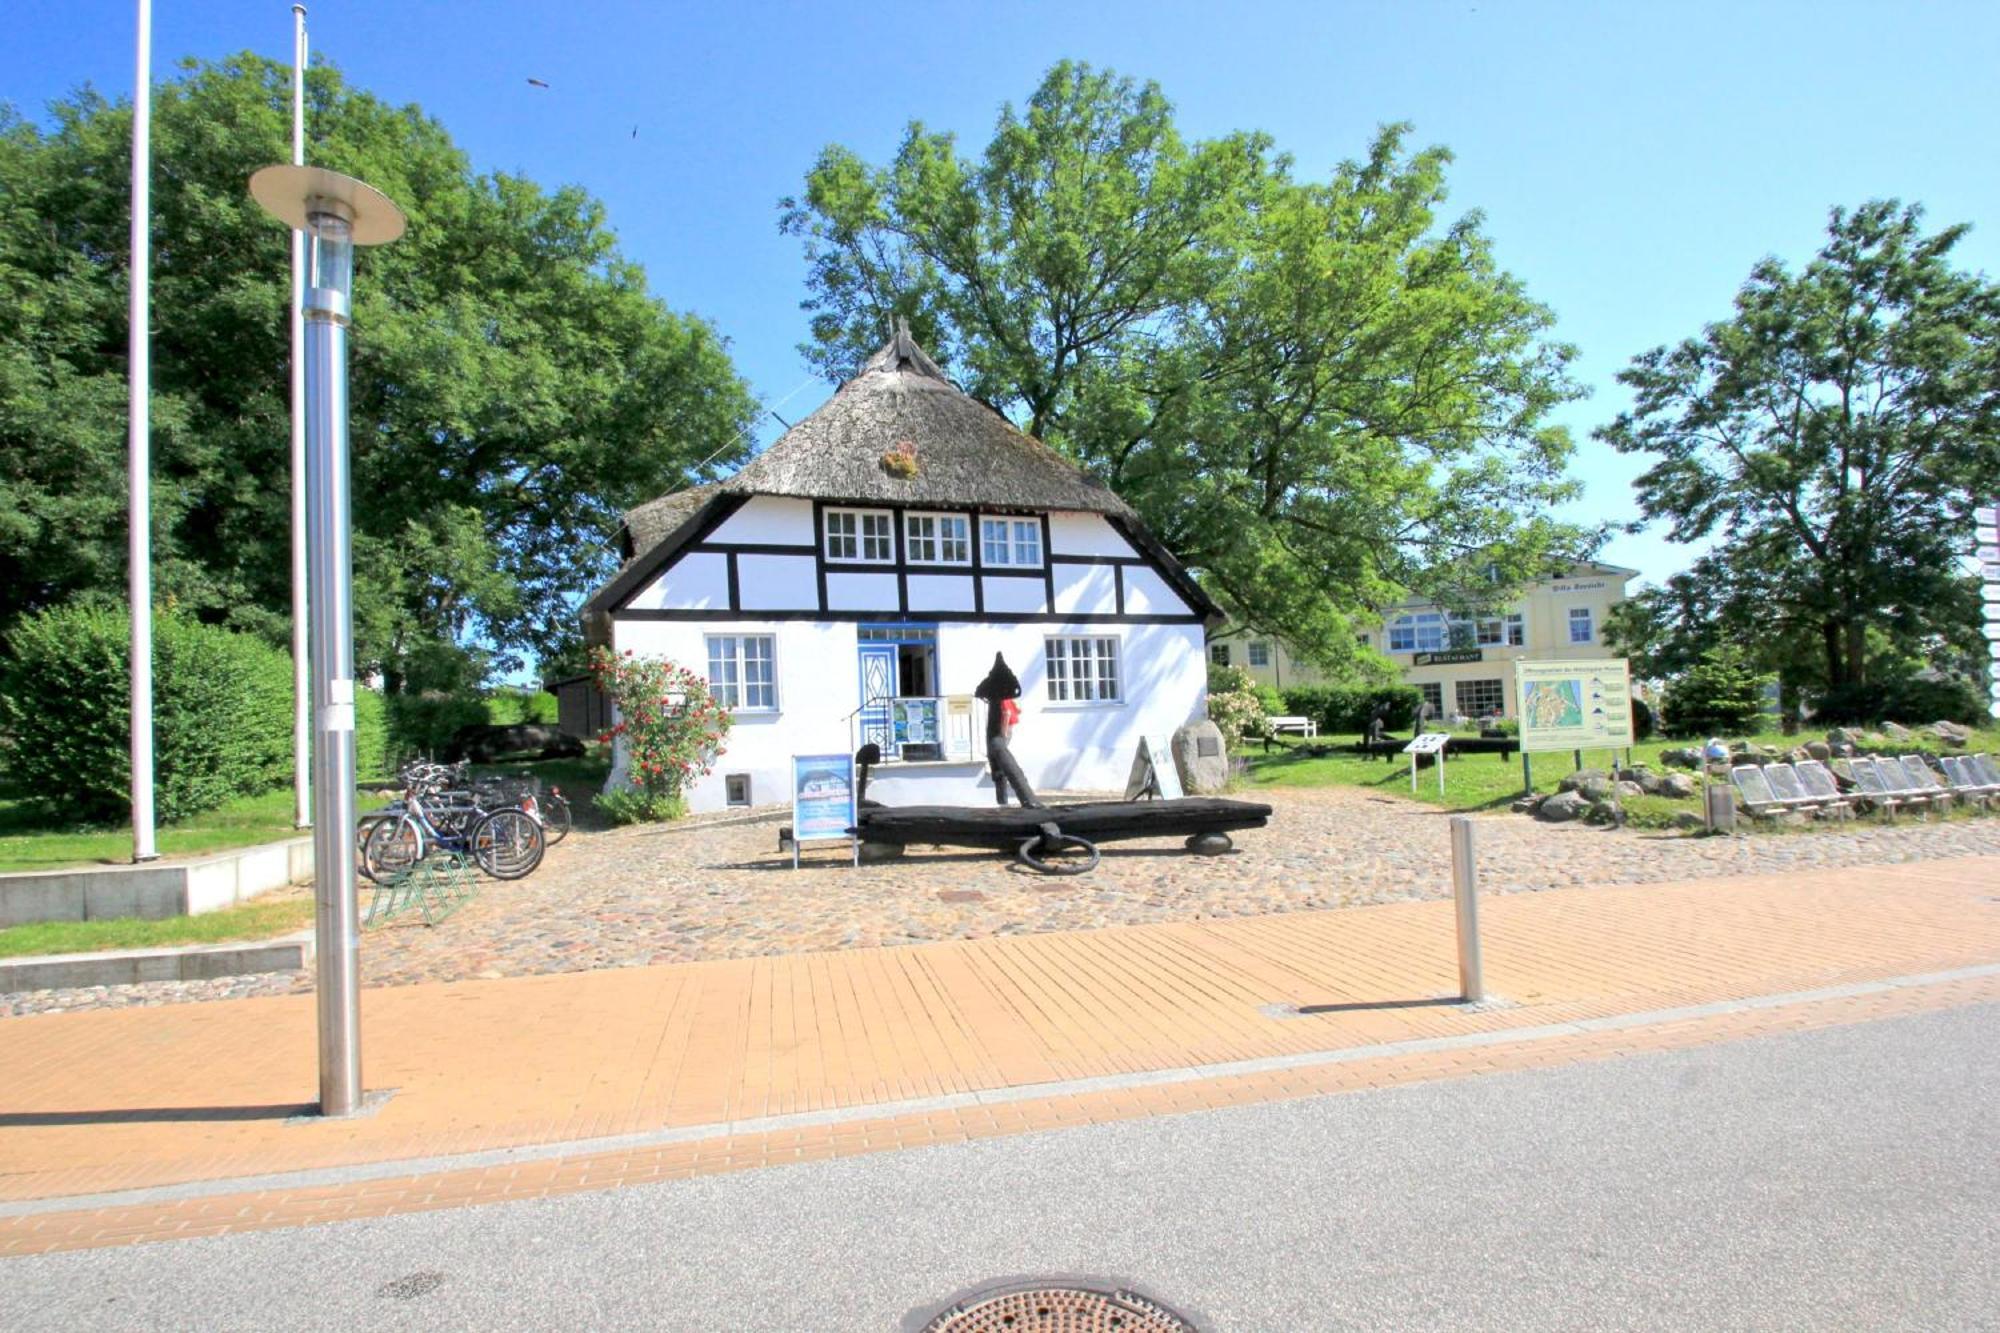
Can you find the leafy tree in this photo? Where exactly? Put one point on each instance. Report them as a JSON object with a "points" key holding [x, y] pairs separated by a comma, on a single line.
{"points": [[1317, 394], [1835, 433], [514, 385]]}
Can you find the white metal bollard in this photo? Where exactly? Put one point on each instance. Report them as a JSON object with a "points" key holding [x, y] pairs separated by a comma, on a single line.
{"points": [[1465, 894]]}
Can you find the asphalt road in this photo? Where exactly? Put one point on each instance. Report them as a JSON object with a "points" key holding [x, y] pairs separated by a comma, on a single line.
{"points": [[1848, 1178]]}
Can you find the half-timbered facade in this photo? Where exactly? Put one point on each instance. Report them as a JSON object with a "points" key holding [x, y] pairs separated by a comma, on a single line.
{"points": [[834, 595]]}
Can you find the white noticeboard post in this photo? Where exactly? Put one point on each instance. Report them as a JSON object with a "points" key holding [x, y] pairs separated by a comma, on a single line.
{"points": [[823, 801], [1430, 743], [1153, 772]]}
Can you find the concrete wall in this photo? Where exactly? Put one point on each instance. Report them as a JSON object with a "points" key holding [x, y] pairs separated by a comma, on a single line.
{"points": [[182, 888]]}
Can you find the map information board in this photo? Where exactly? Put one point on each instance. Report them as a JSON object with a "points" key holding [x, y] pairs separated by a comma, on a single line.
{"points": [[1582, 705]]}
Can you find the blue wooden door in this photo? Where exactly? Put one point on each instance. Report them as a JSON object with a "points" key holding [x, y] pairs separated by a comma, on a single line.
{"points": [[878, 687]]}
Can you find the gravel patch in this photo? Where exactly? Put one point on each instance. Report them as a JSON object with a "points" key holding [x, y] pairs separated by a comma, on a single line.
{"points": [[719, 889]]}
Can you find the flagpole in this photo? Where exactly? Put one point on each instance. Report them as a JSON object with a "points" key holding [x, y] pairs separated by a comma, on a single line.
{"points": [[301, 648], [138, 445]]}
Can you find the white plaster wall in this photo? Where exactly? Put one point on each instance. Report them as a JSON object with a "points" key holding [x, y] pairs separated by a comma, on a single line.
{"points": [[698, 581], [768, 519], [1147, 594], [815, 695], [940, 592], [1018, 596], [861, 592], [1081, 747], [777, 582], [1085, 590], [1085, 534]]}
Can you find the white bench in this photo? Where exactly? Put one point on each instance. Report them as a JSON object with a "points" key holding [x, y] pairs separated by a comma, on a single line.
{"points": [[1305, 726]]}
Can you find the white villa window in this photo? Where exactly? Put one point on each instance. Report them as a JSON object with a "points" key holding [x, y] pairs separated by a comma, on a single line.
{"points": [[937, 539], [865, 535], [1579, 624], [1260, 654], [1510, 631], [1218, 653], [1433, 692], [742, 671], [1479, 698], [1011, 541], [1425, 632], [1083, 670]]}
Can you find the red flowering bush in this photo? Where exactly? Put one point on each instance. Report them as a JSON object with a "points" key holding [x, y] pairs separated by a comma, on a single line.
{"points": [[670, 727]]}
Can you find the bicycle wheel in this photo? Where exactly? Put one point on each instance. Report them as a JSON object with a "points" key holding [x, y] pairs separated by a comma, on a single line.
{"points": [[393, 848], [555, 818], [507, 843]]}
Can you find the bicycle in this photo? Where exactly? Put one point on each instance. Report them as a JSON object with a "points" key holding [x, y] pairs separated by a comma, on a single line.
{"points": [[507, 843]]}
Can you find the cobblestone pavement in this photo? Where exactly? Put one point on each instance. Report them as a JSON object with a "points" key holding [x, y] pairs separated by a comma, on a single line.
{"points": [[718, 888]]}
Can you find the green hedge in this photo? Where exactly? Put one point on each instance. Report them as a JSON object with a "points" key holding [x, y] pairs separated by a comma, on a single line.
{"points": [[371, 735], [222, 714], [1909, 700], [1347, 708]]}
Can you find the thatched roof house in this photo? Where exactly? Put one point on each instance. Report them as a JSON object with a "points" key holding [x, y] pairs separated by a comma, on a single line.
{"points": [[910, 530]]}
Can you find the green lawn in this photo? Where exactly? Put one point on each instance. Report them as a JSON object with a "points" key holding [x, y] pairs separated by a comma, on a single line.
{"points": [[251, 921], [27, 842], [1482, 782]]}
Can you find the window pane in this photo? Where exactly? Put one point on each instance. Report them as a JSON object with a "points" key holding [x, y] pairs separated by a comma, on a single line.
{"points": [[954, 546], [1107, 668], [921, 536], [1027, 542], [877, 538], [993, 537], [1579, 624], [1218, 653], [1058, 663], [1517, 632], [722, 675], [840, 542], [1260, 654]]}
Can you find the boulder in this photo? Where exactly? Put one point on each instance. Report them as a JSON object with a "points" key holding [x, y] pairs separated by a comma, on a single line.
{"points": [[1843, 774], [489, 744], [1679, 786], [1563, 807], [1819, 750], [1593, 783], [1685, 758], [1896, 731], [1202, 758], [1604, 812], [1626, 790], [1525, 805], [1951, 734], [1842, 741], [1689, 819]]}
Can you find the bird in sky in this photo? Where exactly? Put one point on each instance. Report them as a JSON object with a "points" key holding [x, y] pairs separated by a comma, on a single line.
{"points": [[536, 83]]}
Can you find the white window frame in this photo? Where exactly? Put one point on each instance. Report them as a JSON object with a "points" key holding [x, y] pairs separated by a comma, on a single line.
{"points": [[1092, 686], [862, 536], [731, 693], [1420, 632], [1582, 615], [1218, 654], [1499, 696], [1017, 543], [1257, 653], [933, 533]]}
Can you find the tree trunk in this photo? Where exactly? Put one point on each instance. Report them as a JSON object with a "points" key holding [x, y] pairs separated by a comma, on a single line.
{"points": [[1857, 652], [1830, 635]]}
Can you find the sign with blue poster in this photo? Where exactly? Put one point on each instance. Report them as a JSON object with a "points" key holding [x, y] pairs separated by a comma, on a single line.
{"points": [[822, 799]]}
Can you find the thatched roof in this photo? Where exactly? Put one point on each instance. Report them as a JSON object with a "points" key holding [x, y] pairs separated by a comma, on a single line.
{"points": [[968, 456]]}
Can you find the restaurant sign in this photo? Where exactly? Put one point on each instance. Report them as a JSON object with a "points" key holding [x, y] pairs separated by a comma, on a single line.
{"points": [[1450, 657]]}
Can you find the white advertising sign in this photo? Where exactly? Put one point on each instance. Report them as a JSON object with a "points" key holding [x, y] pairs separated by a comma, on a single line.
{"points": [[1585, 705]]}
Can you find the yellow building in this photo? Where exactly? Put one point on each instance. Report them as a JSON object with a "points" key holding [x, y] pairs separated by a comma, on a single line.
{"points": [[1464, 665]]}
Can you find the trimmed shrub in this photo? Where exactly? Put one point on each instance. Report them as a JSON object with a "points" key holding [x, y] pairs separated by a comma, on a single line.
{"points": [[1721, 695], [222, 714], [1272, 701], [1909, 700], [510, 704], [1345, 709]]}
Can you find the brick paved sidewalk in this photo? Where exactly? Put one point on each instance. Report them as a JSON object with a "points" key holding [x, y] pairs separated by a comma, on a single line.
{"points": [[650, 1072]]}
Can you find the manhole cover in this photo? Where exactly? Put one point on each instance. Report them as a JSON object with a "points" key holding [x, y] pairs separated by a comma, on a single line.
{"points": [[1058, 1310]]}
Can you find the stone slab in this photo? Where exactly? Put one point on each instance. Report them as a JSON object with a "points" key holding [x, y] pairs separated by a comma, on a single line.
{"points": [[124, 967]]}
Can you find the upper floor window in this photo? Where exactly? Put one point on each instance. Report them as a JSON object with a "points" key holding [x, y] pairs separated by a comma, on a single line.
{"points": [[937, 539], [1083, 670], [866, 535], [1424, 632], [1011, 541], [1579, 624], [743, 671], [1260, 654], [1218, 653], [1510, 631]]}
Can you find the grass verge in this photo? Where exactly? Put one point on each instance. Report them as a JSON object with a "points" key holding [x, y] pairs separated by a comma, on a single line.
{"points": [[251, 921], [29, 842]]}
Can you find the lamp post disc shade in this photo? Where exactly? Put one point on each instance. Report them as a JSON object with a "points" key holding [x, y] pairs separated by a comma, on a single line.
{"points": [[285, 191]]}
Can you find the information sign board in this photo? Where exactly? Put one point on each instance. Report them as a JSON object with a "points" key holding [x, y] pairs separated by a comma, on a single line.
{"points": [[822, 799], [1429, 743], [1153, 772], [1581, 705]]}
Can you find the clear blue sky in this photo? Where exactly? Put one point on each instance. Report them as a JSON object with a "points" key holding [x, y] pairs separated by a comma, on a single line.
{"points": [[1632, 161]]}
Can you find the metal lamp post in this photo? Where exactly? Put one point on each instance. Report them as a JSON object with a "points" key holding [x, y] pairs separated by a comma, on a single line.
{"points": [[336, 213]]}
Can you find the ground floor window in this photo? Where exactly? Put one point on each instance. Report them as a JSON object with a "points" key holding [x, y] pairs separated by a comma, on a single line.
{"points": [[1260, 654], [1433, 693], [1218, 653], [1083, 670], [742, 671], [1479, 698]]}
